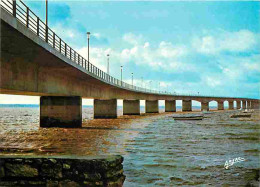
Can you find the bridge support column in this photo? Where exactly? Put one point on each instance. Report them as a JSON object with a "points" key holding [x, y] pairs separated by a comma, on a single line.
{"points": [[243, 104], [59, 111], [105, 109], [204, 106], [186, 105], [238, 104], [170, 106], [131, 107], [220, 105], [255, 104], [230, 105], [151, 106]]}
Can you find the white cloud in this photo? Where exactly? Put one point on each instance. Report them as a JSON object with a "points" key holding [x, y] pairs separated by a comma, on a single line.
{"points": [[132, 38], [65, 32], [252, 66], [212, 82], [165, 56], [167, 50], [240, 41], [97, 35]]}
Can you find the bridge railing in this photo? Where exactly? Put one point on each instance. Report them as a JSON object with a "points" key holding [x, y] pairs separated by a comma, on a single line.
{"points": [[30, 20]]}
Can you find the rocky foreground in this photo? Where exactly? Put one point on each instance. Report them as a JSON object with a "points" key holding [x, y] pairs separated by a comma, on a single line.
{"points": [[61, 171]]}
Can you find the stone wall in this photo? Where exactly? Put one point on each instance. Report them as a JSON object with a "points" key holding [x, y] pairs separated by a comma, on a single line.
{"points": [[61, 171]]}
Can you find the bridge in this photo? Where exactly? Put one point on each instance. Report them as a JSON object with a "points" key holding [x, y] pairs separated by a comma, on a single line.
{"points": [[36, 61]]}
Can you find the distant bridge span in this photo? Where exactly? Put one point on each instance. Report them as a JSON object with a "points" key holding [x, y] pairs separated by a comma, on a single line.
{"points": [[36, 62]]}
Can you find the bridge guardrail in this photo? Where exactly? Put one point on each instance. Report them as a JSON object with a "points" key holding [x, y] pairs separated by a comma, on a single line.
{"points": [[22, 12]]}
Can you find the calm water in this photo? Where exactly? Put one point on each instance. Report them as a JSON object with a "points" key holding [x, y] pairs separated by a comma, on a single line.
{"points": [[158, 151]]}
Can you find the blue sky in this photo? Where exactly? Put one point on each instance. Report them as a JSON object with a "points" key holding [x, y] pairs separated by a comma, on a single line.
{"points": [[189, 47]]}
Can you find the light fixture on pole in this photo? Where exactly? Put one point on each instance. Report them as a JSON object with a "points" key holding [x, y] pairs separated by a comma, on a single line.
{"points": [[88, 33], [108, 64], [46, 28], [132, 79], [142, 82], [121, 74]]}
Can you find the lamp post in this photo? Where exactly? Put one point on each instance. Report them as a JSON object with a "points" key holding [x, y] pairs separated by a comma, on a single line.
{"points": [[132, 80], [88, 33], [159, 87], [150, 86], [142, 82], [121, 74], [46, 28], [108, 64]]}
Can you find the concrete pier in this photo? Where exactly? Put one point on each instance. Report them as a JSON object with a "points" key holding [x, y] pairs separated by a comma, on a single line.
{"points": [[243, 104], [131, 107], [255, 105], [220, 105], [151, 106], [170, 106], [238, 104], [204, 106], [249, 104], [186, 105], [104, 109], [230, 105], [58, 111]]}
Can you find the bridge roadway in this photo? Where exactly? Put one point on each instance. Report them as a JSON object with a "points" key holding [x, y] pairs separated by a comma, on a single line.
{"points": [[31, 66]]}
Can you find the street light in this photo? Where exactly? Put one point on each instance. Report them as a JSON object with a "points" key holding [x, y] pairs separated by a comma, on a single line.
{"points": [[132, 79], [150, 86], [88, 33], [142, 82], [46, 21], [108, 64], [121, 74]]}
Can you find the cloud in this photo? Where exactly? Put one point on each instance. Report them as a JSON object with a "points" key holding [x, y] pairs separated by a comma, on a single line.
{"points": [[97, 35], [132, 38], [165, 56], [240, 41], [167, 50]]}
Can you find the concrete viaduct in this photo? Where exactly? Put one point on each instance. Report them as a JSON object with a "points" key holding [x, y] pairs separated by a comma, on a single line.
{"points": [[35, 61]]}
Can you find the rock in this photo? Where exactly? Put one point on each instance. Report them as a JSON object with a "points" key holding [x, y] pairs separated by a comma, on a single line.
{"points": [[2, 172], [20, 170], [51, 171], [92, 176], [97, 183], [66, 166], [53, 160], [113, 173], [37, 183], [117, 183], [61, 171], [51, 183], [68, 183]]}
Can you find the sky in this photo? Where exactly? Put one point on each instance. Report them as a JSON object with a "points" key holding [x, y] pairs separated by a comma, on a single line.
{"points": [[191, 47]]}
